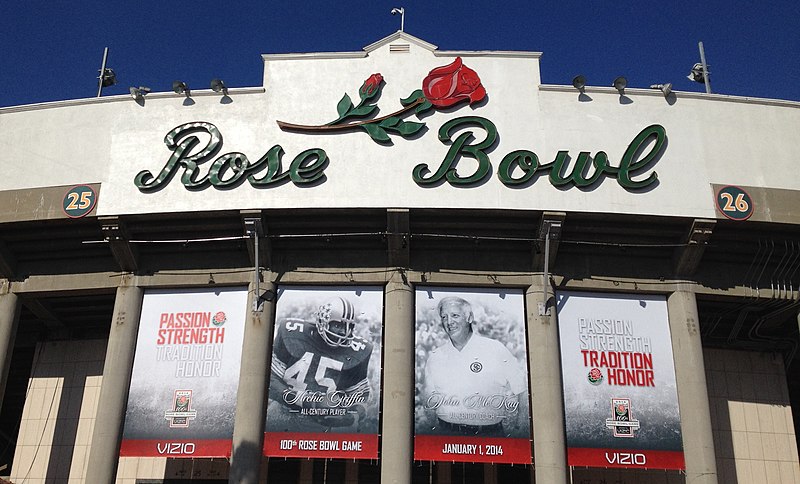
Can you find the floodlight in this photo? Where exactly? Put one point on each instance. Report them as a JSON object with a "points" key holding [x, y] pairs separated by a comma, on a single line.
{"points": [[579, 82], [620, 84], [108, 77], [218, 86], [138, 93], [698, 74], [664, 88], [400, 10], [180, 87]]}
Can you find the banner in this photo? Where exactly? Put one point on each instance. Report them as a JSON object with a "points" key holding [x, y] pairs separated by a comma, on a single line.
{"points": [[620, 398], [324, 388], [182, 397], [471, 400]]}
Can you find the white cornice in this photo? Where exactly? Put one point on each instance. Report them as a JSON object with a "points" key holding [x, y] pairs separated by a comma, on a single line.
{"points": [[125, 98], [488, 53], [678, 94], [399, 35], [314, 55]]}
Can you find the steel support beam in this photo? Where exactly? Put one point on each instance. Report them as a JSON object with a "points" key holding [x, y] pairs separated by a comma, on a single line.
{"points": [[398, 237], [549, 229], [254, 220], [687, 258], [116, 235]]}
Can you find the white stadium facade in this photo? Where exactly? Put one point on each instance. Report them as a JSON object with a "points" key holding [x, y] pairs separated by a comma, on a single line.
{"points": [[634, 253]]}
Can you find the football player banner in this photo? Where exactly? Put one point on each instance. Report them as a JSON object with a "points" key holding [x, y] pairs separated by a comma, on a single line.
{"points": [[620, 398], [185, 376], [324, 384], [471, 398]]}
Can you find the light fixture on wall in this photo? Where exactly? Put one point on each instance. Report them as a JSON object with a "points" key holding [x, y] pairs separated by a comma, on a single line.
{"points": [[180, 87], [218, 86], [664, 88], [579, 82], [138, 93], [620, 84]]}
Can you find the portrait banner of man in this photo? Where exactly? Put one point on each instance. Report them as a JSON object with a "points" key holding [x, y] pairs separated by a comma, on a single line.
{"points": [[471, 396], [324, 383]]}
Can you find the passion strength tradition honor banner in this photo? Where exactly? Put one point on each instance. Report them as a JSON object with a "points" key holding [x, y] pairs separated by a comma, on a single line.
{"points": [[182, 397], [620, 398], [324, 389], [471, 397]]}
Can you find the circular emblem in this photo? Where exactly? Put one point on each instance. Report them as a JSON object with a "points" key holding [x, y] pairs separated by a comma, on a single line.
{"points": [[476, 367], [79, 201], [219, 319], [734, 203], [620, 409], [595, 376]]}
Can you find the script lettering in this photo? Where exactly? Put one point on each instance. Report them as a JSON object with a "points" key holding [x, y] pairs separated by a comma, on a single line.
{"points": [[230, 169]]}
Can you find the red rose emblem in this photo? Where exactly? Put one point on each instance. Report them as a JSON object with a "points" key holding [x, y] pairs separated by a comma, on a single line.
{"points": [[447, 85], [370, 86]]}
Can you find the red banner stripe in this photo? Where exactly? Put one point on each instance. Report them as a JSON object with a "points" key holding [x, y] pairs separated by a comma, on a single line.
{"points": [[320, 445], [626, 458], [176, 448], [472, 449]]}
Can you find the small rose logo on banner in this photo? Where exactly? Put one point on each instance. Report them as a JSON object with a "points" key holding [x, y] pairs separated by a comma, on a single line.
{"points": [[595, 376], [443, 87]]}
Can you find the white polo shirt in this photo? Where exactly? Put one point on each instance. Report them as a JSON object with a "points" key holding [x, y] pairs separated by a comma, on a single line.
{"points": [[475, 386]]}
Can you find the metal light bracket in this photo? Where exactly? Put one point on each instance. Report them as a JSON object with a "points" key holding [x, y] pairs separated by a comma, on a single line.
{"points": [[253, 228], [550, 230]]}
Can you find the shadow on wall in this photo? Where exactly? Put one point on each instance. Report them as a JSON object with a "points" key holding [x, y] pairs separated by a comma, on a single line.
{"points": [[60, 407], [751, 416]]}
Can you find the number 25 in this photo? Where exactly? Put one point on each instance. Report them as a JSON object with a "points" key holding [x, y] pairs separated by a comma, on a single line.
{"points": [[81, 202]]}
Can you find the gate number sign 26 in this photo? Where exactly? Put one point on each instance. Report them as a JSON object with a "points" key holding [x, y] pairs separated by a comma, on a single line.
{"points": [[734, 203]]}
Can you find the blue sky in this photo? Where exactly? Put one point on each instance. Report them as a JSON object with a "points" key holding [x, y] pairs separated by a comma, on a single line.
{"points": [[51, 50]]}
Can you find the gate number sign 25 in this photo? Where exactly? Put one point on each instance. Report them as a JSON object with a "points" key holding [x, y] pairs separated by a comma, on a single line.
{"points": [[79, 201]]}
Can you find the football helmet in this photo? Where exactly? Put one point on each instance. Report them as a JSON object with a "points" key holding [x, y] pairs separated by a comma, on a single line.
{"points": [[336, 322]]}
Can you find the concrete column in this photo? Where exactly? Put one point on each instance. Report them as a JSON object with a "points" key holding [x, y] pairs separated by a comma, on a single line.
{"points": [[9, 316], [104, 453], [489, 474], [306, 474], [549, 453], [251, 399], [398, 383], [443, 473], [687, 349], [351, 472]]}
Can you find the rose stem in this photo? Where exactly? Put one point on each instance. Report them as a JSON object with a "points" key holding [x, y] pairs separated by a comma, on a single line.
{"points": [[338, 127]]}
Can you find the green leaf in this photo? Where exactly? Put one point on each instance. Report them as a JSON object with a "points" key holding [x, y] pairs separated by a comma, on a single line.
{"points": [[409, 128], [425, 106], [344, 106], [389, 122], [363, 111], [412, 97], [376, 132]]}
